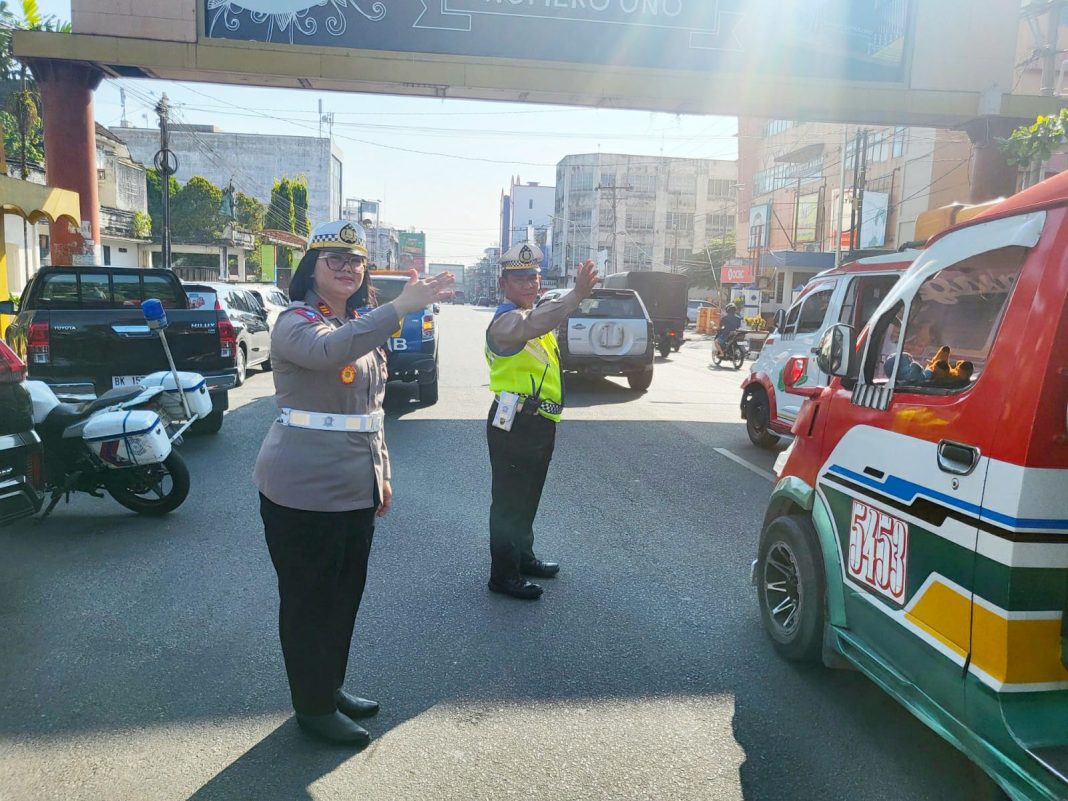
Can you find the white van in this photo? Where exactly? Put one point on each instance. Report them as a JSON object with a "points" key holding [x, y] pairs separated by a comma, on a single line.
{"points": [[848, 294]]}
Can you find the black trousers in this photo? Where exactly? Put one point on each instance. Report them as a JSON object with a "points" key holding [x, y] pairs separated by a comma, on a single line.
{"points": [[519, 460], [321, 562]]}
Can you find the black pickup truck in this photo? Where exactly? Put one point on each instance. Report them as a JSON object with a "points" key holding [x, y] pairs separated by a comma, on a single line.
{"points": [[81, 331]]}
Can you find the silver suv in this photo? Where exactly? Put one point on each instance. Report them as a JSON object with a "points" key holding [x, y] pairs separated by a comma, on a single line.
{"points": [[610, 334]]}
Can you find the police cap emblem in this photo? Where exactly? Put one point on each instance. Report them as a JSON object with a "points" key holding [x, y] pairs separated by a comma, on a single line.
{"points": [[348, 234]]}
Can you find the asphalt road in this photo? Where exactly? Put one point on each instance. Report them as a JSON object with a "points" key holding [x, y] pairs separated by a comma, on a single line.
{"points": [[139, 659]]}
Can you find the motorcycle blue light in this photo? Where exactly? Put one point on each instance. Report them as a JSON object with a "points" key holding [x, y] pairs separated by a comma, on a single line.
{"points": [[154, 313]]}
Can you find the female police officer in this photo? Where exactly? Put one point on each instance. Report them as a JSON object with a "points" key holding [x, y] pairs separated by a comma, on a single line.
{"points": [[323, 471]]}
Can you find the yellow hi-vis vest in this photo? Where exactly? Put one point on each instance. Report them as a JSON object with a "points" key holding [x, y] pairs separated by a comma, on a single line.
{"points": [[540, 358]]}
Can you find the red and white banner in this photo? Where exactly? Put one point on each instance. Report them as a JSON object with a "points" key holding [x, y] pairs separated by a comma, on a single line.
{"points": [[736, 274]]}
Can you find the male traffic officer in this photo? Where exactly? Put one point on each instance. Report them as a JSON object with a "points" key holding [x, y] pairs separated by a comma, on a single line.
{"points": [[525, 377]]}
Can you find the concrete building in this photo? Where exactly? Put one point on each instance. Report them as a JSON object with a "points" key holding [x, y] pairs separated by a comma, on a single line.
{"points": [[383, 241], [788, 199], [525, 208], [123, 203], [252, 161], [642, 212]]}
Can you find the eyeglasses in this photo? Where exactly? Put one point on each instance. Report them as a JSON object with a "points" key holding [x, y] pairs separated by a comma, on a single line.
{"points": [[528, 280], [337, 262]]}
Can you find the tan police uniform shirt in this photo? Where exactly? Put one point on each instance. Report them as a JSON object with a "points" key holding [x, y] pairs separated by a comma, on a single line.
{"points": [[511, 331], [325, 363]]}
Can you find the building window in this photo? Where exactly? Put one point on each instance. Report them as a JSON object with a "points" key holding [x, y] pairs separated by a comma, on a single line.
{"points": [[107, 255], [582, 181], [531, 204], [639, 221], [608, 179], [781, 176], [778, 126], [681, 182], [679, 221], [720, 188], [642, 184]]}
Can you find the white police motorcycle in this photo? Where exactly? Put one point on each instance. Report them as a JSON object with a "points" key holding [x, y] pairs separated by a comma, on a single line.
{"points": [[122, 442]]}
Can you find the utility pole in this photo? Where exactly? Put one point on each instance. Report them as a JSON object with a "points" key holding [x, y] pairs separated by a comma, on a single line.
{"points": [[841, 199], [166, 164], [861, 185], [615, 212], [853, 193]]}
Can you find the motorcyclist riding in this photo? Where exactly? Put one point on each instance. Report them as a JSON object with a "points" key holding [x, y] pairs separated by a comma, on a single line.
{"points": [[727, 326]]}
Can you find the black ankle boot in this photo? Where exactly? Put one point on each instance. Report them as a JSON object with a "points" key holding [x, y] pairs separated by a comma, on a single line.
{"points": [[355, 707], [334, 728]]}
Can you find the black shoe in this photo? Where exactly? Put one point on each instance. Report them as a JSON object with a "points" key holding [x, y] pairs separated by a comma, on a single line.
{"points": [[517, 588], [539, 569], [354, 707], [334, 728]]}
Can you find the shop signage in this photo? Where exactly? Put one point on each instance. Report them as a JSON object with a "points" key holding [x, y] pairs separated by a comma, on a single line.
{"points": [[736, 274]]}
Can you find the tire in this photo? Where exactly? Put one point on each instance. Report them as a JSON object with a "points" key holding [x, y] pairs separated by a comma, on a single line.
{"points": [[134, 497], [716, 358], [757, 416], [241, 362], [792, 588], [267, 366], [676, 346], [664, 346], [211, 424], [737, 357], [428, 393], [640, 382]]}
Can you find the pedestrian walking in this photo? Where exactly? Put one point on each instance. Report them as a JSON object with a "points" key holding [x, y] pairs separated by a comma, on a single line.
{"points": [[525, 377], [323, 471]]}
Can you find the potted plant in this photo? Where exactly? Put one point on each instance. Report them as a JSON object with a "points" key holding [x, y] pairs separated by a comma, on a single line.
{"points": [[757, 328]]}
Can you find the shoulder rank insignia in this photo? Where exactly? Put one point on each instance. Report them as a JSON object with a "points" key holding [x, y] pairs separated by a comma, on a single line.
{"points": [[325, 310], [348, 374], [309, 315]]}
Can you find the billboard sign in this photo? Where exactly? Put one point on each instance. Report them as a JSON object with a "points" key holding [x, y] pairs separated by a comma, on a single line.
{"points": [[808, 213], [412, 251], [830, 39], [759, 217], [736, 274]]}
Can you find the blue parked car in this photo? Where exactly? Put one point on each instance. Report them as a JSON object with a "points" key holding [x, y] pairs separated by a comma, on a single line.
{"points": [[413, 348]]}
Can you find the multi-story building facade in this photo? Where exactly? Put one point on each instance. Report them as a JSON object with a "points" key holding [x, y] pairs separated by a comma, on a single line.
{"points": [[791, 192], [123, 202], [525, 208], [640, 212], [252, 161], [383, 242]]}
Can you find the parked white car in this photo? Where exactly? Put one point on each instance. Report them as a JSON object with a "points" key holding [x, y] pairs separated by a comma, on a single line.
{"points": [[849, 294]]}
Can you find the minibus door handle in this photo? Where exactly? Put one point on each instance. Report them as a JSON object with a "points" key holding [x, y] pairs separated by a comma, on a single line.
{"points": [[957, 458]]}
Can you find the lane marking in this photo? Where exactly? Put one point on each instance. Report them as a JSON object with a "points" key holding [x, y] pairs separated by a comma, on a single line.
{"points": [[760, 471]]}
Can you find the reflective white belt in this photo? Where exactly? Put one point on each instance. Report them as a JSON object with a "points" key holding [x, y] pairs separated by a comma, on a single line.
{"points": [[319, 421]]}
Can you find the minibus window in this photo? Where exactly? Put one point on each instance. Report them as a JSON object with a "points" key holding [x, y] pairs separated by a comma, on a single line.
{"points": [[959, 308]]}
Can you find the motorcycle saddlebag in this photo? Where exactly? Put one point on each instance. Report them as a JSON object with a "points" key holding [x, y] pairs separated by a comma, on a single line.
{"points": [[193, 385], [127, 439]]}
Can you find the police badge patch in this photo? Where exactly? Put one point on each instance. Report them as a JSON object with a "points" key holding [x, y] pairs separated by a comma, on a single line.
{"points": [[348, 374]]}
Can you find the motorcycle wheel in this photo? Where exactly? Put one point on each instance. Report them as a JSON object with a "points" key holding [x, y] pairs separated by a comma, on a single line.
{"points": [[665, 347], [737, 357], [716, 358], [153, 490]]}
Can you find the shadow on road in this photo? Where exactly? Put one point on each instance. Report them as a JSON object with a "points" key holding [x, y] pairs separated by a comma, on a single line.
{"points": [[137, 624]]}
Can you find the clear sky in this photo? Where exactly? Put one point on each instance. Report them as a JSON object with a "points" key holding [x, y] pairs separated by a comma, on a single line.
{"points": [[437, 165]]}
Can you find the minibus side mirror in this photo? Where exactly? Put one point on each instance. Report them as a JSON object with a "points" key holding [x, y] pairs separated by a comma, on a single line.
{"points": [[779, 322], [836, 354]]}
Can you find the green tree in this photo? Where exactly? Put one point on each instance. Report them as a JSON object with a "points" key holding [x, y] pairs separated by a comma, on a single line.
{"points": [[300, 206], [702, 269], [282, 214], [195, 211], [1032, 145], [250, 212], [13, 139], [155, 200]]}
